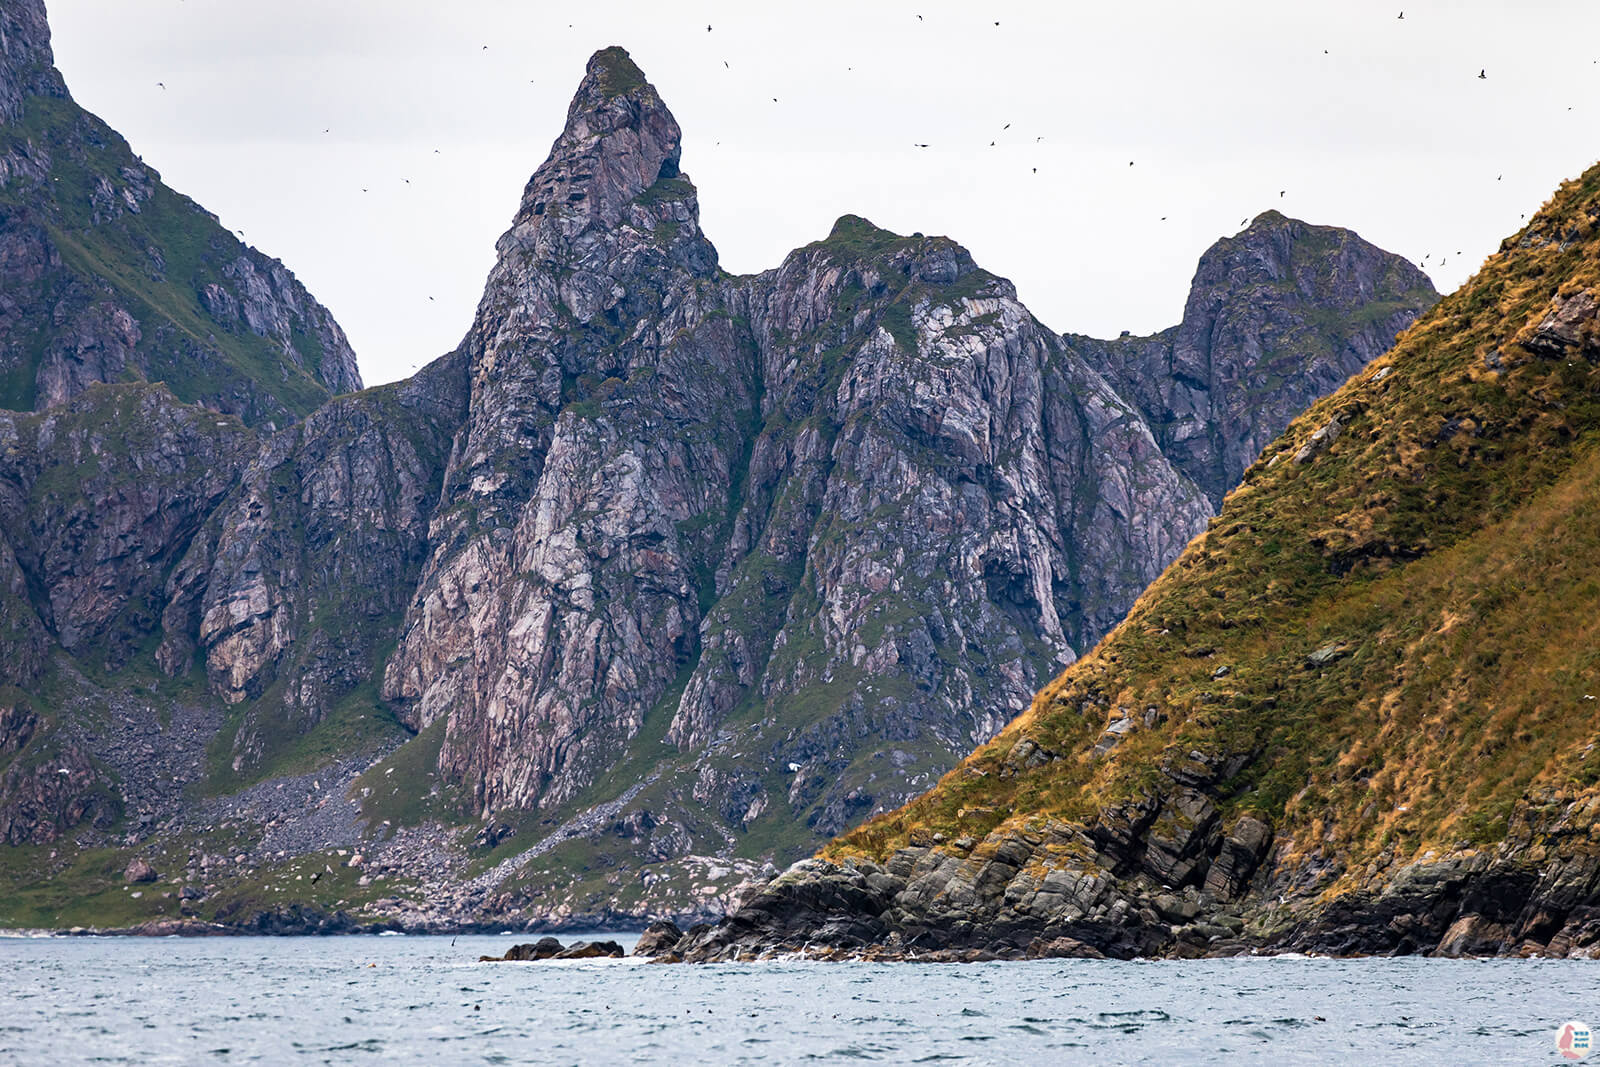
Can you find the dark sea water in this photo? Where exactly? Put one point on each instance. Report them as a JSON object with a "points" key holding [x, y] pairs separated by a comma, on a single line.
{"points": [[394, 1000]]}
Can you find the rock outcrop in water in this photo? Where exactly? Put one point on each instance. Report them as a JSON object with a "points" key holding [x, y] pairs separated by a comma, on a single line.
{"points": [[1357, 716], [662, 575]]}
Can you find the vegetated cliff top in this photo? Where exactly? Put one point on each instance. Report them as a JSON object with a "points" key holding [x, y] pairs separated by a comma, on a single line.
{"points": [[1388, 642], [112, 276]]}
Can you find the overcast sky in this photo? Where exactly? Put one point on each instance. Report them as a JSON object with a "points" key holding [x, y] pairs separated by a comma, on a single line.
{"points": [[1357, 117]]}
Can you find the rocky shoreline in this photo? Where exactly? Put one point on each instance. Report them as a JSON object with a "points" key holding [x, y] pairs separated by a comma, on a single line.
{"points": [[1007, 900]]}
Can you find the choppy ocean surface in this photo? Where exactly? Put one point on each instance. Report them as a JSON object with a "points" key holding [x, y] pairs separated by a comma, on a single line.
{"points": [[393, 1000]]}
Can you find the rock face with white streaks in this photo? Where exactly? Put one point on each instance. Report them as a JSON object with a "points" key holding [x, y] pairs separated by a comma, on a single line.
{"points": [[744, 558], [854, 495]]}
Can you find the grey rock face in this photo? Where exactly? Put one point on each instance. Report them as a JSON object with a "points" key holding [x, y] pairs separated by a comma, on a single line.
{"points": [[27, 64], [40, 801], [98, 499], [1278, 316], [107, 275], [868, 474], [746, 559], [608, 391], [300, 575]]}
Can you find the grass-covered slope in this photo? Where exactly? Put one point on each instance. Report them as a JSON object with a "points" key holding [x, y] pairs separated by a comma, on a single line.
{"points": [[1386, 644], [109, 275]]}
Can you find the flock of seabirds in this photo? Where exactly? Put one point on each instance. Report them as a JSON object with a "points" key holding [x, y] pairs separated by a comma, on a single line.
{"points": [[1483, 75]]}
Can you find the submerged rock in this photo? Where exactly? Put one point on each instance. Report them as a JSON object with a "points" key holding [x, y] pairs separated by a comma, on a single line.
{"points": [[543, 949]]}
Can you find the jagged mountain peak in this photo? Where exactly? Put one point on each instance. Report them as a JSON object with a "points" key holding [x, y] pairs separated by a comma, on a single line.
{"points": [[934, 260], [109, 275], [620, 143], [1262, 300], [27, 65], [742, 559], [1269, 217], [611, 73]]}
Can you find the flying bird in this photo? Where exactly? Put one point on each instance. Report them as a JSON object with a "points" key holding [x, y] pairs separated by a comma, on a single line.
{"points": [[1402, 14], [915, 145], [1281, 192], [1483, 76], [162, 84], [708, 27]]}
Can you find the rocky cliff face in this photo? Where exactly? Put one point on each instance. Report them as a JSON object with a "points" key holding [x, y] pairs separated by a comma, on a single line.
{"points": [[99, 498], [1279, 315], [27, 66], [106, 275], [1356, 716], [609, 391], [662, 575], [299, 577]]}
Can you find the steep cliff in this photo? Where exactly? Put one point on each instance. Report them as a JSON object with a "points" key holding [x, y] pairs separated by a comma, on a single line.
{"points": [[744, 560], [1358, 715], [662, 576], [1278, 316], [106, 275]]}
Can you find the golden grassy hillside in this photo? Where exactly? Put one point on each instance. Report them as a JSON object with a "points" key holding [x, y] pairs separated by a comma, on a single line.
{"points": [[1389, 647]]}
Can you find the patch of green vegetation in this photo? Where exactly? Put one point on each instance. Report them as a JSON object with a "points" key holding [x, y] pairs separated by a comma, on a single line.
{"points": [[617, 73], [405, 788], [154, 261], [897, 320], [78, 888], [854, 237], [667, 189], [360, 722]]}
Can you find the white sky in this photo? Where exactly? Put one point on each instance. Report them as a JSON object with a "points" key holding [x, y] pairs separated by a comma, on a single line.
{"points": [[1220, 105]]}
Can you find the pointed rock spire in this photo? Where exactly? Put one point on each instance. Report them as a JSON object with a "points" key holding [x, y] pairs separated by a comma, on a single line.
{"points": [[620, 141]]}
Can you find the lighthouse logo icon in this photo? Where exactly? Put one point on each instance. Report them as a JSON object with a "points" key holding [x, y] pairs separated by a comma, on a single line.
{"points": [[1573, 1040]]}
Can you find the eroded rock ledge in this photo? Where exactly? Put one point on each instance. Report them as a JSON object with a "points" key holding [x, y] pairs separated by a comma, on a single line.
{"points": [[1023, 896]]}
